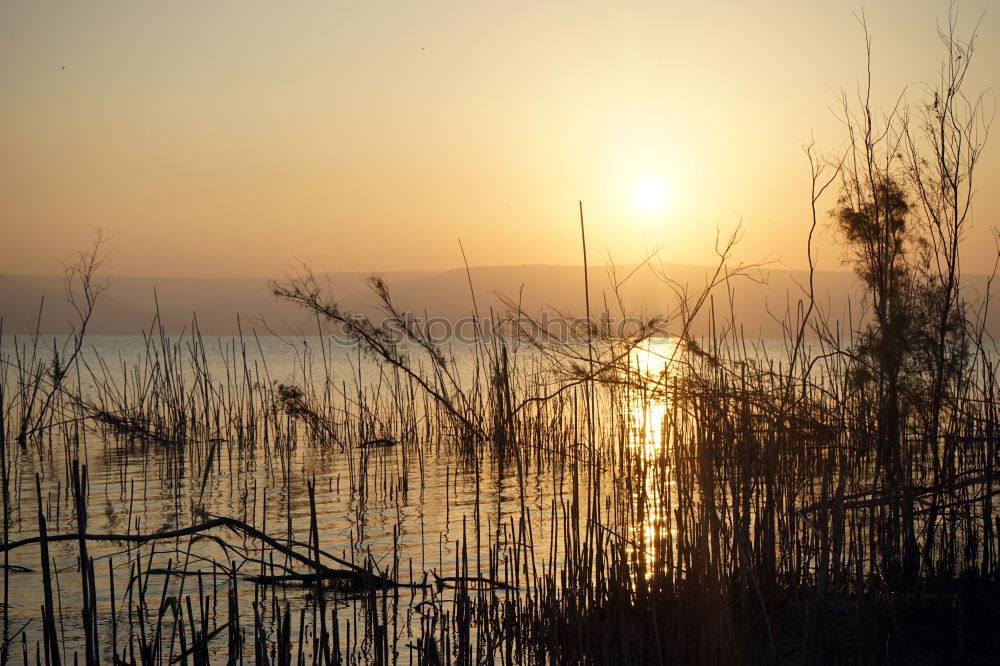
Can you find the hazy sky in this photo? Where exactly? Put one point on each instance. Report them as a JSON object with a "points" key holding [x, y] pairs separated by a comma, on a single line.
{"points": [[235, 138]]}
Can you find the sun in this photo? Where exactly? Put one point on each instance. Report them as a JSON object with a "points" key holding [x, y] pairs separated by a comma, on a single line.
{"points": [[651, 195]]}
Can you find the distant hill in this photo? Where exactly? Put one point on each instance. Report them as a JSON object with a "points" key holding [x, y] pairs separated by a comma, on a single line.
{"points": [[223, 305]]}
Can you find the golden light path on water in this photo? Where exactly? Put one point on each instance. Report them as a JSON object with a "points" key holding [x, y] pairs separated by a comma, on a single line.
{"points": [[655, 364]]}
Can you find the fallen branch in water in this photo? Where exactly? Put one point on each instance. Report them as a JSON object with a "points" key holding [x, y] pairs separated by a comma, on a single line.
{"points": [[380, 443], [352, 579], [443, 581], [321, 569]]}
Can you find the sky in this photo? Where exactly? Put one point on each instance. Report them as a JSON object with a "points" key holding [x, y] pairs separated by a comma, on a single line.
{"points": [[243, 138]]}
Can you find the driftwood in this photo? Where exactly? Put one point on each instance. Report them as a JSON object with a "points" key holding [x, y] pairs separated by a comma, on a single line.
{"points": [[445, 581], [358, 576], [218, 521], [380, 443], [351, 579]]}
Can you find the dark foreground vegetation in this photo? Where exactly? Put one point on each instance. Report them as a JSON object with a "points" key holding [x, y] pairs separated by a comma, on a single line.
{"points": [[714, 501]]}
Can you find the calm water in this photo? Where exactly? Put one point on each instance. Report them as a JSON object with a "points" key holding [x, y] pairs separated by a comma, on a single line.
{"points": [[407, 510]]}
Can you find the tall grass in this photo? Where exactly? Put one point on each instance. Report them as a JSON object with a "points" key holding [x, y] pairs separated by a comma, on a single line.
{"points": [[718, 504]]}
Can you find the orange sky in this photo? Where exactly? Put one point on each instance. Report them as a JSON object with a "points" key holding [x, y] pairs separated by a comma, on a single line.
{"points": [[234, 138]]}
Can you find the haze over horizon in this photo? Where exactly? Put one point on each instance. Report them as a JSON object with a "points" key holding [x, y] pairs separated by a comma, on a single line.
{"points": [[128, 306], [236, 139]]}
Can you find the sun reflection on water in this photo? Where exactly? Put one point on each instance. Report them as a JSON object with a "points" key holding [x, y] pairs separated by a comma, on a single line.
{"points": [[652, 368]]}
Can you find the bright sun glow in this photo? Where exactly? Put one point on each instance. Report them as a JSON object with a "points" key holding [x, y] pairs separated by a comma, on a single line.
{"points": [[651, 195]]}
